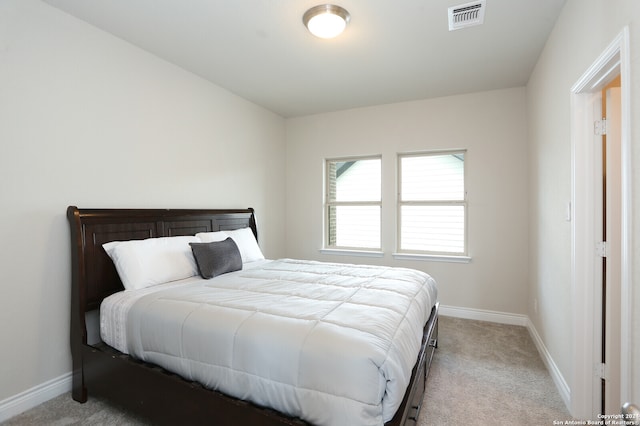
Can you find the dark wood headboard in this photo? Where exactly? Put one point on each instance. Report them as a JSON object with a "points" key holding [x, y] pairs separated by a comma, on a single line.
{"points": [[94, 276]]}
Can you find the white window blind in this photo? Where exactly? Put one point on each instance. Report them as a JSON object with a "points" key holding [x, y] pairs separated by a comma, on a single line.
{"points": [[353, 203], [432, 203]]}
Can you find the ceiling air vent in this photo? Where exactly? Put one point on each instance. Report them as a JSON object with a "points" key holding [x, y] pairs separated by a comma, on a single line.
{"points": [[466, 15]]}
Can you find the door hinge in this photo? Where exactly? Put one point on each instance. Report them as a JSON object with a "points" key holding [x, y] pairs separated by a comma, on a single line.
{"points": [[600, 370], [600, 127], [602, 249]]}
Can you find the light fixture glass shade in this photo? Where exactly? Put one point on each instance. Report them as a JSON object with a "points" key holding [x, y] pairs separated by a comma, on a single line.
{"points": [[326, 20]]}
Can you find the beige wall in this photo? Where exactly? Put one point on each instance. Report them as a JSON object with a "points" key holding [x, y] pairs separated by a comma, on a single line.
{"points": [[87, 119], [490, 125], [583, 31]]}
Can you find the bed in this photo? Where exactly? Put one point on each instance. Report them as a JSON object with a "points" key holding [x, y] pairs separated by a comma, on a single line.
{"points": [[177, 385]]}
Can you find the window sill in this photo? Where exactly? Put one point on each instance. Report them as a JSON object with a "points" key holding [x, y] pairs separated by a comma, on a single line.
{"points": [[361, 253], [432, 257]]}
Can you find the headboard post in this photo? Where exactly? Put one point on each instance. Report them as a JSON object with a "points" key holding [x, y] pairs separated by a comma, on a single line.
{"points": [[78, 328], [252, 222]]}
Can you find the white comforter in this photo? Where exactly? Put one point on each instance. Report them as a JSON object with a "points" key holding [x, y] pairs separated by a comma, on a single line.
{"points": [[333, 344]]}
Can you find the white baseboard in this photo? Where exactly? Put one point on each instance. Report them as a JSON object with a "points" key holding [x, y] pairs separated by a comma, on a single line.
{"points": [[483, 315], [556, 375], [516, 319], [35, 396]]}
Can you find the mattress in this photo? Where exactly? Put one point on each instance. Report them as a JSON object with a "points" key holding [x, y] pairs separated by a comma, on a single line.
{"points": [[332, 344]]}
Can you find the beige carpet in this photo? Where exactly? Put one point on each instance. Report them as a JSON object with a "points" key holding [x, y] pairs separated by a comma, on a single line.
{"points": [[482, 374], [489, 374]]}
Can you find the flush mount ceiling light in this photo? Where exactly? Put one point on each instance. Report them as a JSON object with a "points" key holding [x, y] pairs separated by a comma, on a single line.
{"points": [[326, 20]]}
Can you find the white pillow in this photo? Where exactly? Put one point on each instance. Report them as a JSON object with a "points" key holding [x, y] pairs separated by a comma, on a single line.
{"points": [[144, 263], [246, 242], [212, 237], [244, 239]]}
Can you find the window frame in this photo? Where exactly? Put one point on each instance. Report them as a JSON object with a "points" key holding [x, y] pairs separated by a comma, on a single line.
{"points": [[336, 249], [428, 254]]}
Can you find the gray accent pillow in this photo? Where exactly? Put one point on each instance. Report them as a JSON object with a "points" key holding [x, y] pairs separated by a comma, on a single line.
{"points": [[217, 257]]}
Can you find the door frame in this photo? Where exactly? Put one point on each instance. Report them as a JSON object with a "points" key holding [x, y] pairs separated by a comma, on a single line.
{"points": [[612, 62]]}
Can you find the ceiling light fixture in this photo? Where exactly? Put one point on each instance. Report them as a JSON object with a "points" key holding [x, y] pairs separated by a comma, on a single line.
{"points": [[326, 20]]}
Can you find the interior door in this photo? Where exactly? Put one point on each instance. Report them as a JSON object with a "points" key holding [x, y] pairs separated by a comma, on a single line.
{"points": [[612, 273]]}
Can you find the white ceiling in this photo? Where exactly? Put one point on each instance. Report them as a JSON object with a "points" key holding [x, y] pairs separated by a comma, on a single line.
{"points": [[392, 50]]}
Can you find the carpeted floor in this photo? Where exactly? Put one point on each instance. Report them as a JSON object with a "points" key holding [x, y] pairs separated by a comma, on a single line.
{"points": [[489, 374], [482, 374]]}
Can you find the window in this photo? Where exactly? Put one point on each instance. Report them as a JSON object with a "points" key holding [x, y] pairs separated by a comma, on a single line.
{"points": [[432, 205], [352, 204]]}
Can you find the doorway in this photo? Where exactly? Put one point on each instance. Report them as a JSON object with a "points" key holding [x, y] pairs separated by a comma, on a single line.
{"points": [[601, 202], [609, 269]]}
